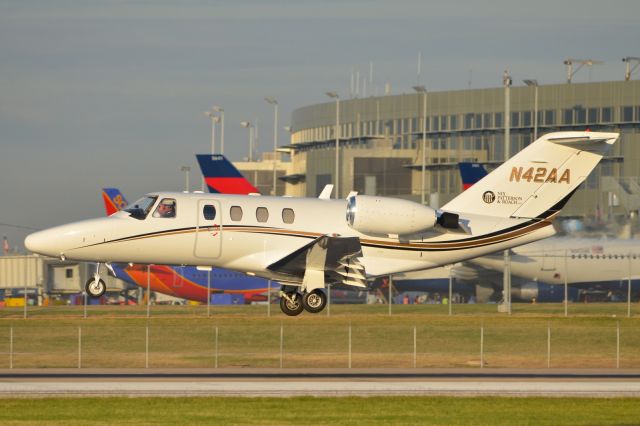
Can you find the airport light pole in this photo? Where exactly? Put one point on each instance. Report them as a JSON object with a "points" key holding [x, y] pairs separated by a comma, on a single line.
{"points": [[450, 288], [423, 90], [214, 119], [629, 285], [581, 63], [248, 125], [630, 70], [506, 278], [148, 291], [534, 83], [334, 95], [566, 285], [220, 110], [274, 102], [186, 170]]}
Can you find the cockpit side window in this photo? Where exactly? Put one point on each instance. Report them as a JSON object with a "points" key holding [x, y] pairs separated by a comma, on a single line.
{"points": [[166, 208], [140, 209]]}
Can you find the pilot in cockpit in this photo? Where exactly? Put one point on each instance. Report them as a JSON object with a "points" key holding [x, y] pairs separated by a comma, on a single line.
{"points": [[166, 208]]}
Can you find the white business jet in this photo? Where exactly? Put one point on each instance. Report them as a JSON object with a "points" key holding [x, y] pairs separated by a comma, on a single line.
{"points": [[309, 243]]}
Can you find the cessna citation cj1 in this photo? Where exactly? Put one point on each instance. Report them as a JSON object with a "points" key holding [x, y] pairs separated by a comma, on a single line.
{"points": [[309, 243]]}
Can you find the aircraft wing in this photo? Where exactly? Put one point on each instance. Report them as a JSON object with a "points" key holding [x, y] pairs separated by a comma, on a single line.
{"points": [[327, 259]]}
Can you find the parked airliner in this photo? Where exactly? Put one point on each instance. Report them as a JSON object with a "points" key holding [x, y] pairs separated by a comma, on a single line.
{"points": [[307, 243]]}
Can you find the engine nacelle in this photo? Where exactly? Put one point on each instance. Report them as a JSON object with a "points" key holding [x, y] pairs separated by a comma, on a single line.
{"points": [[541, 292], [389, 216]]}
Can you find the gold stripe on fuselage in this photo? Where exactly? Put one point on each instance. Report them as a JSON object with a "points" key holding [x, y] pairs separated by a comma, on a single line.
{"points": [[472, 242]]}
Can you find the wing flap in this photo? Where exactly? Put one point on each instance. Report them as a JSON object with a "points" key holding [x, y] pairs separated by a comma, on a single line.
{"points": [[335, 257]]}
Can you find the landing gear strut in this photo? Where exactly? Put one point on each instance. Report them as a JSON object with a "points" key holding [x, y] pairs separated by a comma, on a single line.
{"points": [[95, 286]]}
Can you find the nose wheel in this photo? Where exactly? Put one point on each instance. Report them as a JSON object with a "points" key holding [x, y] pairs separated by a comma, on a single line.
{"points": [[95, 286]]}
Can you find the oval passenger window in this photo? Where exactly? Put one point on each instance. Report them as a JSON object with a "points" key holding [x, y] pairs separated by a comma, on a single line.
{"points": [[209, 212], [236, 213], [262, 214], [288, 216]]}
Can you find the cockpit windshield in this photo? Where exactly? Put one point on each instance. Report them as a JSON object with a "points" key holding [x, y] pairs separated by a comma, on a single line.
{"points": [[140, 209]]}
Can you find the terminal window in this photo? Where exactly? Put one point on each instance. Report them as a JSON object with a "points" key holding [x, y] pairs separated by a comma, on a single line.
{"points": [[498, 119], [487, 120], [453, 122], [389, 174], [549, 117], [567, 116], [515, 119]]}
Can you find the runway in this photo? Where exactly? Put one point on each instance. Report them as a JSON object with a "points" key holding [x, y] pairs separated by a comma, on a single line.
{"points": [[319, 382]]}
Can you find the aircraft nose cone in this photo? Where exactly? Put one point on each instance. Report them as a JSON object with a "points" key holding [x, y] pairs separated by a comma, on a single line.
{"points": [[40, 242]]}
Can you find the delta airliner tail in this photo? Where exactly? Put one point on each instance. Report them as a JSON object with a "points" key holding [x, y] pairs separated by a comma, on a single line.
{"points": [[471, 173], [222, 177]]}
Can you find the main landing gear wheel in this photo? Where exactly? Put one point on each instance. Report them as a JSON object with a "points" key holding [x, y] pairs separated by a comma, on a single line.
{"points": [[291, 304], [314, 301], [95, 287]]}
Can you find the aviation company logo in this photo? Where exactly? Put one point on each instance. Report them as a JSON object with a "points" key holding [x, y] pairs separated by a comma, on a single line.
{"points": [[503, 198], [488, 197]]}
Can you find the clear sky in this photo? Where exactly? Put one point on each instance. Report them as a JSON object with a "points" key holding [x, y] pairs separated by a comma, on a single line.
{"points": [[111, 93]]}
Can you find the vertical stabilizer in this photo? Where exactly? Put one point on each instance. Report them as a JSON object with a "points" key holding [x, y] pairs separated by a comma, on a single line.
{"points": [[113, 199], [222, 177], [539, 178]]}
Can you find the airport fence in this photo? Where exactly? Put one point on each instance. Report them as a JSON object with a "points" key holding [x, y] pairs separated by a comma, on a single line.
{"points": [[365, 343]]}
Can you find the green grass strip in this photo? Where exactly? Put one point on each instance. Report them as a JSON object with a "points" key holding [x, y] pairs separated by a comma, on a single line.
{"points": [[309, 410]]}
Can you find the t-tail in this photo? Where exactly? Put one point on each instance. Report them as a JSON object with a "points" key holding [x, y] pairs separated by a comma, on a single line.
{"points": [[539, 180], [113, 199], [471, 173], [222, 177]]}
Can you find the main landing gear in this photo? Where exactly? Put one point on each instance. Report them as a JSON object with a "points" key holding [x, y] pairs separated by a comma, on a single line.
{"points": [[293, 303], [95, 286]]}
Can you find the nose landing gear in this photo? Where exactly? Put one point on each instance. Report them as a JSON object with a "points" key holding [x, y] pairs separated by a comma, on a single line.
{"points": [[95, 286]]}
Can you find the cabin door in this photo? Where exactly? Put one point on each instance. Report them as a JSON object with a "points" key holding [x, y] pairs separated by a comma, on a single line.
{"points": [[549, 259], [208, 229]]}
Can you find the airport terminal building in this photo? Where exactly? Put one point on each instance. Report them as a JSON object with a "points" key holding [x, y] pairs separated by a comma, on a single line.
{"points": [[380, 140]]}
